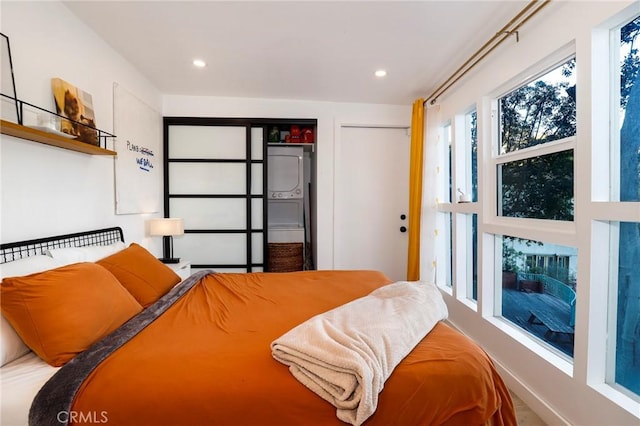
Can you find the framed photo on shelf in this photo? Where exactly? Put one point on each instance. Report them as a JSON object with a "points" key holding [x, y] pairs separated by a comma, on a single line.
{"points": [[77, 105], [9, 106]]}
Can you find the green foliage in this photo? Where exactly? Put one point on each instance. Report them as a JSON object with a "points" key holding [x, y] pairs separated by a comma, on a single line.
{"points": [[543, 111], [474, 155], [510, 257], [537, 113], [539, 187], [631, 63]]}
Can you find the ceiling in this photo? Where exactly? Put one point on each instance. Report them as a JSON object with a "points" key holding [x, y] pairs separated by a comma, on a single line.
{"points": [[304, 50]]}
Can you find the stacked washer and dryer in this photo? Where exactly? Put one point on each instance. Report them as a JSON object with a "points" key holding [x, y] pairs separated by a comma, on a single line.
{"points": [[286, 194]]}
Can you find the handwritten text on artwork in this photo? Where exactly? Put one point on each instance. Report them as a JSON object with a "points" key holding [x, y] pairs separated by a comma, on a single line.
{"points": [[143, 161]]}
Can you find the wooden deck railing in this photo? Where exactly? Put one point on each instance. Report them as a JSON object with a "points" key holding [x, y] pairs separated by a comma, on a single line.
{"points": [[554, 288]]}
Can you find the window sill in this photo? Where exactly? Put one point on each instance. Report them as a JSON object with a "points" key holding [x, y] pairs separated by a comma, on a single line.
{"points": [[446, 289], [559, 362], [623, 401]]}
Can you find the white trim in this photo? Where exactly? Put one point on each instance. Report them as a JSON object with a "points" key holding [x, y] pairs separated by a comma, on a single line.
{"points": [[612, 231], [337, 143], [458, 207], [537, 70], [447, 142], [469, 303], [460, 280], [613, 67], [560, 145], [600, 107], [375, 126], [618, 397], [615, 211], [555, 232], [545, 411], [550, 355]]}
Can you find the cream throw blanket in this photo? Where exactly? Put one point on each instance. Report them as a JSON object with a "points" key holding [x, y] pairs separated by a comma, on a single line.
{"points": [[345, 355]]}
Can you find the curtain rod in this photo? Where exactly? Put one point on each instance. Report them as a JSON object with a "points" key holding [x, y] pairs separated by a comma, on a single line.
{"points": [[505, 32]]}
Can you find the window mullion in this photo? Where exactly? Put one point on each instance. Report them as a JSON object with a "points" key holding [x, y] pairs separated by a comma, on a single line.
{"points": [[537, 151]]}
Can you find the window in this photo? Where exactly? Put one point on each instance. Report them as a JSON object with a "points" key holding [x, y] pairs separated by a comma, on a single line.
{"points": [[472, 257], [627, 324], [539, 112], [466, 149], [535, 126], [457, 218], [535, 177], [449, 171], [624, 362], [538, 187], [628, 115], [471, 127], [538, 289], [543, 240], [444, 275], [444, 253]]}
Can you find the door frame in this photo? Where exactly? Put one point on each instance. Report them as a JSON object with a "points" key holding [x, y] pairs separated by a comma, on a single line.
{"points": [[248, 123], [337, 144]]}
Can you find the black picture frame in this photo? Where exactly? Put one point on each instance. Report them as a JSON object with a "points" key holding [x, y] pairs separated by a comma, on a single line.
{"points": [[8, 73]]}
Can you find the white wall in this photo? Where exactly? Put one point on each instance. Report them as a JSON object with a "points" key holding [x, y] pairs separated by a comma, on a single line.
{"points": [[327, 114], [48, 190], [560, 392]]}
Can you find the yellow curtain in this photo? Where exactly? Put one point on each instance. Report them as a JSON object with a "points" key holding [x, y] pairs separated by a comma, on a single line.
{"points": [[415, 189]]}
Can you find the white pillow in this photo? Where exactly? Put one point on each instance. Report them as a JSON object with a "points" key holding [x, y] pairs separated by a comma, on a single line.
{"points": [[11, 345], [28, 265], [69, 255]]}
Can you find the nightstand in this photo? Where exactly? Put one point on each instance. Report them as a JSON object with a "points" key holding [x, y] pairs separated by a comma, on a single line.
{"points": [[183, 269]]}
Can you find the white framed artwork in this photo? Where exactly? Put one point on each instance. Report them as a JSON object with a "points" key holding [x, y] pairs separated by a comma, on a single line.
{"points": [[138, 165]]}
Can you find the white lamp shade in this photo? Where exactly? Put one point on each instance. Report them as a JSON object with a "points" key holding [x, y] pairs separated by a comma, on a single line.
{"points": [[166, 226]]}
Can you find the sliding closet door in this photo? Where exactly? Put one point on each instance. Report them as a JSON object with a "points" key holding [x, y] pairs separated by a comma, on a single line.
{"points": [[214, 180]]}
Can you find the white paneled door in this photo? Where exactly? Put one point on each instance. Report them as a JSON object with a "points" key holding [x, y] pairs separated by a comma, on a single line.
{"points": [[372, 199]]}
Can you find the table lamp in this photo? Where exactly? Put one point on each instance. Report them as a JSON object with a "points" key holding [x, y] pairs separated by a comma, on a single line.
{"points": [[167, 228]]}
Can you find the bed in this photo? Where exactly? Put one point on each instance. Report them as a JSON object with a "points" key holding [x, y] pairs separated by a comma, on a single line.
{"points": [[149, 349]]}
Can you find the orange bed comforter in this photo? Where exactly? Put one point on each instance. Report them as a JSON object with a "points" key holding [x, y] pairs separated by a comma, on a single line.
{"points": [[207, 360]]}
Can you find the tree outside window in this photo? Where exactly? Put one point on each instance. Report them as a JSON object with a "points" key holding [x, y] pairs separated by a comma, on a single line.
{"points": [[543, 111], [627, 371], [538, 184]]}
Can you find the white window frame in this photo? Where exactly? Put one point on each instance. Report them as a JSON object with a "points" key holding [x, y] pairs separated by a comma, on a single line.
{"points": [[553, 147], [495, 226], [607, 211], [461, 278], [596, 214]]}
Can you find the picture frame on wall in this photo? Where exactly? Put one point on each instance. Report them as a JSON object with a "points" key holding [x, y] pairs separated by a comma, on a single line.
{"points": [[10, 107], [76, 105], [138, 160]]}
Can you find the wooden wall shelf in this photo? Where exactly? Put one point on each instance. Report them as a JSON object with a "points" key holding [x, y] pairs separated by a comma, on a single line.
{"points": [[35, 135]]}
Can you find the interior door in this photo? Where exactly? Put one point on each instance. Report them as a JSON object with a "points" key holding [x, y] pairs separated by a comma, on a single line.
{"points": [[372, 199]]}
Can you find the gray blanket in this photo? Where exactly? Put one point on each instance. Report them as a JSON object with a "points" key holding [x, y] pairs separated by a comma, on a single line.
{"points": [[58, 394]]}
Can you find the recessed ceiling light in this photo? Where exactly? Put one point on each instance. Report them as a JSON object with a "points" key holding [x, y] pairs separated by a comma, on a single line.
{"points": [[199, 63], [380, 73]]}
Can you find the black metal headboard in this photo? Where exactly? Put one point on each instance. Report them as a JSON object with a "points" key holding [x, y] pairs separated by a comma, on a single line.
{"points": [[98, 237]]}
